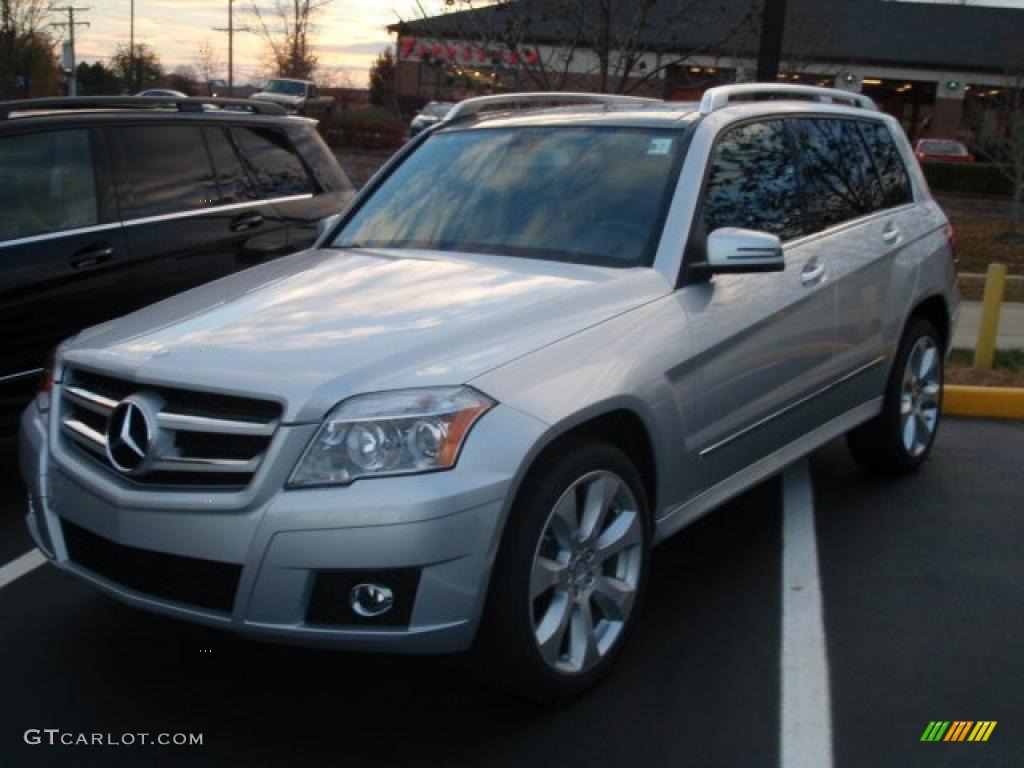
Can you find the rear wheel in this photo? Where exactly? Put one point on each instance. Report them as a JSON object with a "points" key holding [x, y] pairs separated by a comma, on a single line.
{"points": [[570, 574], [899, 439]]}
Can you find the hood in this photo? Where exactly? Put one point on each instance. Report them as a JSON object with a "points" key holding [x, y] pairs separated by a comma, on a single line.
{"points": [[278, 98], [316, 327]]}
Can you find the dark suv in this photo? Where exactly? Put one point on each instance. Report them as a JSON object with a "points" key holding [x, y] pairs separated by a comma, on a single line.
{"points": [[109, 204]]}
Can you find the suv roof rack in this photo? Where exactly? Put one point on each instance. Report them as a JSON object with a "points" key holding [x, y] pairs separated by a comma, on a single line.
{"points": [[188, 104], [717, 98], [472, 107]]}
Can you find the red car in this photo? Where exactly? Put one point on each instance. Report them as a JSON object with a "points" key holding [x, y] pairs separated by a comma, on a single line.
{"points": [[946, 150]]}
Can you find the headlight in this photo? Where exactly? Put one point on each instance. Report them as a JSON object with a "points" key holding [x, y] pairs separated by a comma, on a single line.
{"points": [[391, 433]]}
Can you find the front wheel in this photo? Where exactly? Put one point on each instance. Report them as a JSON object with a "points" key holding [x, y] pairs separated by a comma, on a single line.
{"points": [[900, 438], [569, 574]]}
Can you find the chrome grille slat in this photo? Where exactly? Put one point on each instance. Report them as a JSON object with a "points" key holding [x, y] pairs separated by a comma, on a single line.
{"points": [[203, 439], [91, 400], [183, 422], [85, 435], [199, 464]]}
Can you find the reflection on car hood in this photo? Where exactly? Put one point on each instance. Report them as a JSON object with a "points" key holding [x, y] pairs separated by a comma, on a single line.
{"points": [[319, 326]]}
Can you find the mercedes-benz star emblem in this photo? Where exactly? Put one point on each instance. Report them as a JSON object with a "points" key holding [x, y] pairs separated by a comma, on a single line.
{"points": [[128, 436]]}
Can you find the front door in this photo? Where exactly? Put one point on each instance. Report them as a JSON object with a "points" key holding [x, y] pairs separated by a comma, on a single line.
{"points": [[191, 213], [764, 341]]}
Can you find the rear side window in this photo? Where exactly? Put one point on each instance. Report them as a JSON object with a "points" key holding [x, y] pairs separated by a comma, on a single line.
{"points": [[232, 180], [753, 183], [891, 170], [328, 174], [166, 169], [272, 161], [47, 183], [839, 181]]}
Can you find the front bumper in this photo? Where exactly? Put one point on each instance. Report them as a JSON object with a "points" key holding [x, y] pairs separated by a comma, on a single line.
{"points": [[443, 526]]}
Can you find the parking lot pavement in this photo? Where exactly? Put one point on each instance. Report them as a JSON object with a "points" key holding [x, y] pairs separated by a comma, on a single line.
{"points": [[921, 592]]}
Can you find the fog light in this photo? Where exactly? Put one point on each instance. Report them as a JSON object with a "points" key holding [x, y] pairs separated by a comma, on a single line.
{"points": [[371, 600]]}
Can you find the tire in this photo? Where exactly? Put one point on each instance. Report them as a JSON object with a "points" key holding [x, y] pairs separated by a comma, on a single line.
{"points": [[887, 443], [542, 546]]}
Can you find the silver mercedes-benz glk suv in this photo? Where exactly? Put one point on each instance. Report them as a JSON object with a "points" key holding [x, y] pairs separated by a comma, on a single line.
{"points": [[551, 331]]}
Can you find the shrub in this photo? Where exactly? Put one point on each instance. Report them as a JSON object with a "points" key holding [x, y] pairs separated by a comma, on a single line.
{"points": [[967, 178]]}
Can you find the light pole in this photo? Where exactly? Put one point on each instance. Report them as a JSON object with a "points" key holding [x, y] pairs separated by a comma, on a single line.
{"points": [[131, 48], [773, 26]]}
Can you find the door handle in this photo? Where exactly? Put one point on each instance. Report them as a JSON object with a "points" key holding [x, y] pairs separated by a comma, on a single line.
{"points": [[92, 255], [246, 221], [812, 273], [891, 234]]}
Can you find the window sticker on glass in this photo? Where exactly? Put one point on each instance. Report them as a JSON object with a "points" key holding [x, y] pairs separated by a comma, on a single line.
{"points": [[659, 147]]}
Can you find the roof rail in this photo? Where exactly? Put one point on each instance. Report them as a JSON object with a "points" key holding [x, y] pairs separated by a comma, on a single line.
{"points": [[188, 104], [472, 107], [717, 98]]}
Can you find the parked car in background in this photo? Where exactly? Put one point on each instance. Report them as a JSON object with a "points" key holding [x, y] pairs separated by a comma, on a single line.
{"points": [[166, 92], [431, 114], [466, 419], [945, 150], [300, 96], [109, 204]]}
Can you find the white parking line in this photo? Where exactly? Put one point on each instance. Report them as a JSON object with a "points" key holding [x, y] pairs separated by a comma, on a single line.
{"points": [[18, 568], [806, 710]]}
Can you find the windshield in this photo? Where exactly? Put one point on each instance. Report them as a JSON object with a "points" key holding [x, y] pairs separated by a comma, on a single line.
{"points": [[592, 195], [286, 87], [436, 109]]}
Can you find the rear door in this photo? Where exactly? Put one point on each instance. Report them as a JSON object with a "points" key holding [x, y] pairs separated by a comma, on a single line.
{"points": [[191, 212], [298, 172], [63, 260], [855, 212]]}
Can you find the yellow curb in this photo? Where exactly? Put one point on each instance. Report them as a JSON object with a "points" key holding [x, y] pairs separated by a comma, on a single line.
{"points": [[985, 402]]}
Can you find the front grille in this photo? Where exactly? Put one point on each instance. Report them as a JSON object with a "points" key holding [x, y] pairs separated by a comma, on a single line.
{"points": [[201, 440], [187, 580]]}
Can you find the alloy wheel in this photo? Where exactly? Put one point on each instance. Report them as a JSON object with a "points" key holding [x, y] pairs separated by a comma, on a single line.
{"points": [[586, 571], [920, 396]]}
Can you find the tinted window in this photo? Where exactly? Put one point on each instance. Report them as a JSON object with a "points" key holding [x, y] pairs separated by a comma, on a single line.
{"points": [[328, 174], [891, 171], [166, 168], [593, 195], [232, 180], [839, 180], [752, 182], [47, 183], [273, 162]]}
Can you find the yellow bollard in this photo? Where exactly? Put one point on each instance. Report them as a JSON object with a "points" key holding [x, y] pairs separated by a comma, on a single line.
{"points": [[991, 303]]}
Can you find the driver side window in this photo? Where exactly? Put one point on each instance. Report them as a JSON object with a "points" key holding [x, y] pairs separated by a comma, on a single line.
{"points": [[752, 182]]}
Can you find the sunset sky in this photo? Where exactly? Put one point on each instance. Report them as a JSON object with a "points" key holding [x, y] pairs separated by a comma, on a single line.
{"points": [[350, 33], [349, 36]]}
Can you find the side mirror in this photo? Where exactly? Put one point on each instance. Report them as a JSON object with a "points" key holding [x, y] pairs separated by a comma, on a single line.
{"points": [[733, 250], [324, 229]]}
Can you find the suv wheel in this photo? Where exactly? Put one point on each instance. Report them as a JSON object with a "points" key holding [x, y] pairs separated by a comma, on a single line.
{"points": [[569, 575], [899, 439]]}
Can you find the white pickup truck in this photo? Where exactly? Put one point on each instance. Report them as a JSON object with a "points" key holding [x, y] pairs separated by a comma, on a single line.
{"points": [[300, 96]]}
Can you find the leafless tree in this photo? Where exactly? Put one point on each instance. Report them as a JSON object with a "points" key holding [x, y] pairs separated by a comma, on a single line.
{"points": [[26, 49], [208, 63], [1007, 145], [620, 46], [287, 26]]}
